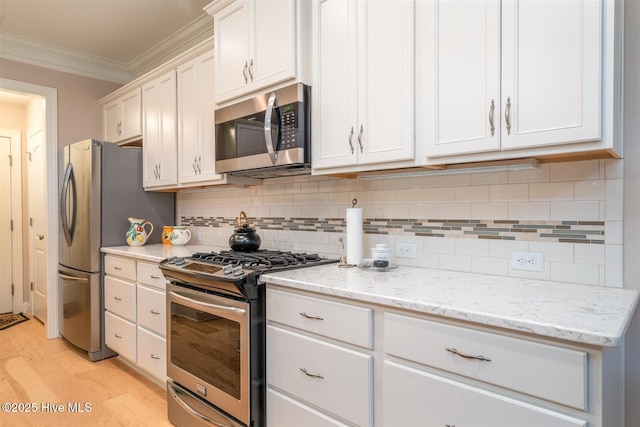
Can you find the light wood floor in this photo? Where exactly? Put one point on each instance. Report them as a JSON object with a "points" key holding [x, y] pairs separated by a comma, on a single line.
{"points": [[37, 370]]}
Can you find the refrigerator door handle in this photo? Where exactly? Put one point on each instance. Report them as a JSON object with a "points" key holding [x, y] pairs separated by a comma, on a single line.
{"points": [[68, 181], [73, 278]]}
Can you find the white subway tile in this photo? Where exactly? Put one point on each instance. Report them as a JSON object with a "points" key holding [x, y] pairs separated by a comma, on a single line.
{"points": [[575, 171], [540, 174], [614, 198], [488, 265], [439, 195], [614, 169], [590, 190], [529, 211], [454, 210], [509, 193], [423, 211], [584, 274], [551, 191], [478, 193], [579, 211], [410, 195], [472, 246], [454, 262], [490, 178], [614, 232], [589, 254], [328, 186], [504, 248], [614, 266], [443, 245], [454, 180], [554, 251], [425, 260], [423, 181], [490, 211]]}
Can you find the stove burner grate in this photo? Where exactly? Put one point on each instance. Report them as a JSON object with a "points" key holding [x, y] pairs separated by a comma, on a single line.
{"points": [[261, 258]]}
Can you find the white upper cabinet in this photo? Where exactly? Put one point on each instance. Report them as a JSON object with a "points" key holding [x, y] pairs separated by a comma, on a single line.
{"points": [[363, 84], [122, 118], [160, 134], [196, 127], [515, 77], [255, 44]]}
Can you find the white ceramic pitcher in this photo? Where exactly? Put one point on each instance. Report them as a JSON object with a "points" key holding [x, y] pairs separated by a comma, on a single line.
{"points": [[137, 234]]}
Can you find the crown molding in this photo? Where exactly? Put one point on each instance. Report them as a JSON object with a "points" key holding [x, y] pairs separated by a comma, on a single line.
{"points": [[197, 31], [46, 55]]}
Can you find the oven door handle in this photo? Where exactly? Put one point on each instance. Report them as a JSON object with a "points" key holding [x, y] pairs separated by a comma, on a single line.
{"points": [[174, 393], [198, 305]]}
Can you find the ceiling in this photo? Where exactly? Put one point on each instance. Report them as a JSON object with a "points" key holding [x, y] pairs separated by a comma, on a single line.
{"points": [[117, 32]]}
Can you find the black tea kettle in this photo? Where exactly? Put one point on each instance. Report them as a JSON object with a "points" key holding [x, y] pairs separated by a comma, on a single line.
{"points": [[244, 237]]}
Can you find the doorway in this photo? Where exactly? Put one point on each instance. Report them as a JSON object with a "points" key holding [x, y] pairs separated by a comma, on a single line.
{"points": [[50, 241]]}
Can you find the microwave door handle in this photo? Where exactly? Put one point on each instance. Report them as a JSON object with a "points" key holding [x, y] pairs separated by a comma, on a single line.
{"points": [[273, 102]]}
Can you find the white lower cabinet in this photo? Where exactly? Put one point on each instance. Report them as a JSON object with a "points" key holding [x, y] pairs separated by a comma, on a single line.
{"points": [[315, 378], [413, 396], [135, 317], [335, 362]]}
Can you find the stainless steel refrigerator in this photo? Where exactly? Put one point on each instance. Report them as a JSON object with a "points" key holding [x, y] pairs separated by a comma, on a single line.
{"points": [[101, 186]]}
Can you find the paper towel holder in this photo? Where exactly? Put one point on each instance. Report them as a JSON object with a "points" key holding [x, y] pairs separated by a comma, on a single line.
{"points": [[343, 258], [354, 202]]}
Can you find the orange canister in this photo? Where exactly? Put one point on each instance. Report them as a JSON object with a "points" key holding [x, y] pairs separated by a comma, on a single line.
{"points": [[166, 234]]}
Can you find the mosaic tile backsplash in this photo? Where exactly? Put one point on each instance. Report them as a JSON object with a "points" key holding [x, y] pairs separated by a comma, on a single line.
{"points": [[570, 212]]}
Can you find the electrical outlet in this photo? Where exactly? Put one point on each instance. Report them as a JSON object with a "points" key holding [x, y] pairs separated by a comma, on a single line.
{"points": [[530, 261], [406, 250]]}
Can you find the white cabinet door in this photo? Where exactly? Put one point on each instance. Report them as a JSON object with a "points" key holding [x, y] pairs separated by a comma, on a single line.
{"points": [[363, 85], [273, 42], [196, 126], [255, 44], [458, 76], [122, 117], [412, 397], [551, 72], [335, 94], [160, 132], [231, 28]]}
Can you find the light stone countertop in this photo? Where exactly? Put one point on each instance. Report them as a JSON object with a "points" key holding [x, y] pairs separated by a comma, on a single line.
{"points": [[155, 252], [585, 314]]}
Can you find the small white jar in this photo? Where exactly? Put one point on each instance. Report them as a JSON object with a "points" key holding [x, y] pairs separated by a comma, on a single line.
{"points": [[381, 252]]}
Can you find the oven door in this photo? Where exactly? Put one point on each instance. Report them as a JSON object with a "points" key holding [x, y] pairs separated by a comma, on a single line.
{"points": [[208, 348]]}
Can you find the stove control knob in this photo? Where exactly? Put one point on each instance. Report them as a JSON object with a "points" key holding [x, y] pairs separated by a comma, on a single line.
{"points": [[172, 260], [227, 269], [237, 271], [180, 261]]}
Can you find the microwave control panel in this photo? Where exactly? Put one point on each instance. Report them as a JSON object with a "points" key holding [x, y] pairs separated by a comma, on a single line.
{"points": [[289, 126]]}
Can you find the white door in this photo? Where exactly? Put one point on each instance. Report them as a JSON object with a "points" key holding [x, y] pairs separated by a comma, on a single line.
{"points": [[551, 72], [335, 84], [6, 258], [458, 76], [38, 229], [385, 131]]}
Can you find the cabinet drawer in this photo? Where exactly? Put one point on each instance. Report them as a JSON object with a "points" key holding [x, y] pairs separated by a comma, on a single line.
{"points": [[152, 353], [553, 373], [120, 297], [121, 267], [345, 385], [152, 310], [331, 319], [120, 336], [150, 274], [412, 398], [283, 411]]}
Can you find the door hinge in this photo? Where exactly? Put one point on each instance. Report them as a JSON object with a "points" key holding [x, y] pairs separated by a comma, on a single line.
{"points": [[30, 222], [11, 225], [30, 286], [10, 160], [12, 290]]}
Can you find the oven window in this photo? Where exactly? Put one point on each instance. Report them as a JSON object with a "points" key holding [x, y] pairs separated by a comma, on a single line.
{"points": [[206, 346]]}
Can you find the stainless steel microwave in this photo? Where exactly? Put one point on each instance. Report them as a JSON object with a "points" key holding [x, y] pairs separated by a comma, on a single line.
{"points": [[266, 136]]}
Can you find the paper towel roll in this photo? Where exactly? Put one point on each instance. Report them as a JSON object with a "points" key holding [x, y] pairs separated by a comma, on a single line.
{"points": [[354, 236]]}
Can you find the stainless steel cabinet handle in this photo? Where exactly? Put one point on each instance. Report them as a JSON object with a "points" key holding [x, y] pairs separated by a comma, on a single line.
{"points": [[195, 160], [303, 314], [117, 268], [449, 425], [153, 356], [117, 298], [251, 70], [351, 140], [244, 72], [467, 356], [154, 312], [311, 375], [507, 119], [198, 163], [117, 336], [154, 277], [75, 279], [360, 138], [491, 108], [159, 174]]}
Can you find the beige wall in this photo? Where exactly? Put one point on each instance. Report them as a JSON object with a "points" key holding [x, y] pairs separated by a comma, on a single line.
{"points": [[79, 116]]}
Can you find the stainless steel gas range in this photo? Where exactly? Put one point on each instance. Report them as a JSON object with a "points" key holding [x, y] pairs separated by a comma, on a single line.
{"points": [[216, 335]]}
